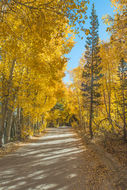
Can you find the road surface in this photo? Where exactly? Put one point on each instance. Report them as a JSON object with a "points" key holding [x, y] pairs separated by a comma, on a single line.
{"points": [[55, 161]]}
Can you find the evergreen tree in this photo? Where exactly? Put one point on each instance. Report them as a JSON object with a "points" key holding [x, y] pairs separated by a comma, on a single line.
{"points": [[92, 69], [122, 94]]}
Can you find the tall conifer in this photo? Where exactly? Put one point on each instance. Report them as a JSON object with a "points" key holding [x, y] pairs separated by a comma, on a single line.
{"points": [[122, 95], [92, 68]]}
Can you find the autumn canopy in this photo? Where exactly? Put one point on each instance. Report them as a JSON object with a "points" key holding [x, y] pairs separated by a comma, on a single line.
{"points": [[35, 37]]}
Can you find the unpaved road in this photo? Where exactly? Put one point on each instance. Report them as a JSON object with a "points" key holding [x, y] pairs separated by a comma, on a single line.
{"points": [[56, 161]]}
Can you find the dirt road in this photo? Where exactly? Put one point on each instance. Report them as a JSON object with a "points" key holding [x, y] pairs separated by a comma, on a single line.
{"points": [[56, 161]]}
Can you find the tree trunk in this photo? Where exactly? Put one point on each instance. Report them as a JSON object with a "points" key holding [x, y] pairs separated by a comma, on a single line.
{"points": [[18, 123], [6, 101], [91, 117], [3, 120], [91, 100], [9, 125], [124, 111]]}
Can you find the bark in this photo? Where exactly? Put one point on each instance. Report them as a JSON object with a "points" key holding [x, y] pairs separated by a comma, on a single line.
{"points": [[18, 127], [80, 113], [91, 117], [124, 110], [91, 100], [9, 125], [2, 126], [6, 102]]}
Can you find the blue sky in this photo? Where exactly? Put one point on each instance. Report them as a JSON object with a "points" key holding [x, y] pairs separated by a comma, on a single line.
{"points": [[102, 7]]}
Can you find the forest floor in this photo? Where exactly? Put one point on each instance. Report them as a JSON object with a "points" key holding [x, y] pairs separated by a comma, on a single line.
{"points": [[61, 160]]}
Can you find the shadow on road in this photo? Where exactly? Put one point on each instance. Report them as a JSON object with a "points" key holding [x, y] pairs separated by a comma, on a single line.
{"points": [[54, 162]]}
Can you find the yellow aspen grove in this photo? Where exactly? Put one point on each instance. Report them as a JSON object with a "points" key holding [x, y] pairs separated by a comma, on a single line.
{"points": [[77, 101], [34, 40], [63, 95]]}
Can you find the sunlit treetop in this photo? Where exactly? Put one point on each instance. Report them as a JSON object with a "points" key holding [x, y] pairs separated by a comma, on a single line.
{"points": [[73, 10], [120, 5]]}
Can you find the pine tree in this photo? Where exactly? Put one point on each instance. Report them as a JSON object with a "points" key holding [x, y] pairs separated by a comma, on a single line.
{"points": [[122, 94], [92, 69]]}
